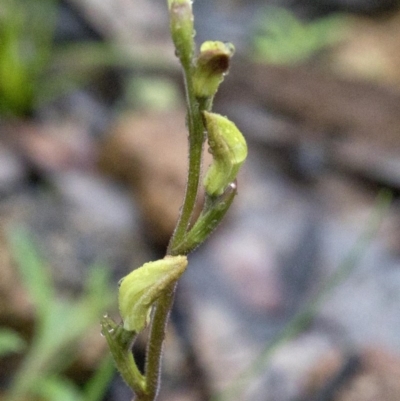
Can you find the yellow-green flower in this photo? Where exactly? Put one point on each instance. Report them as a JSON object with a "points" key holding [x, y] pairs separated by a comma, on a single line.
{"points": [[142, 287], [229, 150], [212, 64]]}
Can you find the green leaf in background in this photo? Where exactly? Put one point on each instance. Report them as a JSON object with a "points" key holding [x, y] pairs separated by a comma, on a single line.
{"points": [[97, 385], [152, 93], [26, 41], [282, 38], [10, 342], [34, 273], [60, 324], [55, 388]]}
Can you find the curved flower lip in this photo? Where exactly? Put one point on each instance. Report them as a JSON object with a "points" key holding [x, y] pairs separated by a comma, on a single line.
{"points": [[229, 149], [143, 286], [212, 64]]}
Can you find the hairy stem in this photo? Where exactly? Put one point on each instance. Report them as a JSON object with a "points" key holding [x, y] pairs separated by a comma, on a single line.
{"points": [[164, 303], [156, 340], [196, 139]]}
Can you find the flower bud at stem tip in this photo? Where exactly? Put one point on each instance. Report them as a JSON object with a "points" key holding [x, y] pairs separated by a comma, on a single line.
{"points": [[182, 29]]}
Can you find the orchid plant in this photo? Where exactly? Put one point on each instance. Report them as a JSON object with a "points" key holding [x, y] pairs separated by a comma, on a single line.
{"points": [[146, 294]]}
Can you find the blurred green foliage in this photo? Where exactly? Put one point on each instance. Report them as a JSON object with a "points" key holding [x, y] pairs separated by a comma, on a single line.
{"points": [[152, 93], [59, 326], [26, 34], [34, 70], [282, 38], [10, 342]]}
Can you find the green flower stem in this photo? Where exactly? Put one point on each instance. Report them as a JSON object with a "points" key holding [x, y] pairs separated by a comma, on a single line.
{"points": [[164, 303], [155, 343], [196, 139]]}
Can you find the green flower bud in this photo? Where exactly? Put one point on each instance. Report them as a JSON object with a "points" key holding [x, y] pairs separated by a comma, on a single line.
{"points": [[229, 150], [212, 64], [182, 29], [142, 287]]}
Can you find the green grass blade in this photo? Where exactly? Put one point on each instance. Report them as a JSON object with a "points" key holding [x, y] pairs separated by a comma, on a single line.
{"points": [[33, 270]]}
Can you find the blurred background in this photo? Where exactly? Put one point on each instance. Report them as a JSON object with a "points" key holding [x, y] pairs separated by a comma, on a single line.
{"points": [[297, 295]]}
